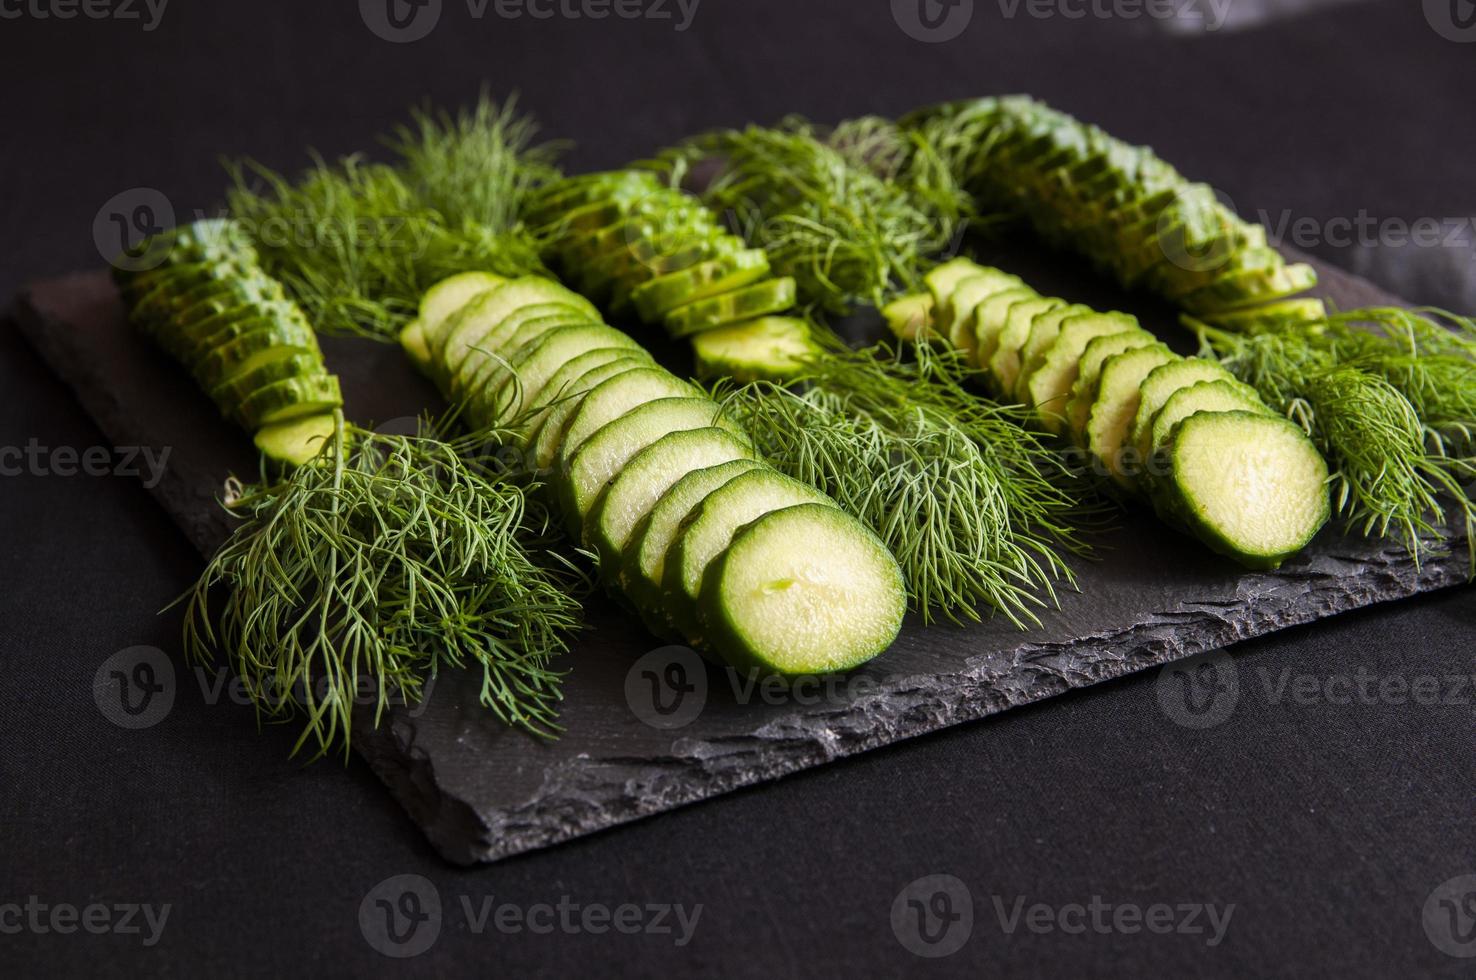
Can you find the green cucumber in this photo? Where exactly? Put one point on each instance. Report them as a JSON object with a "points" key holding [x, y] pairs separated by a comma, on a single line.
{"points": [[289, 399], [488, 309], [990, 319], [533, 364], [562, 196], [567, 381], [769, 348], [1048, 381], [1155, 391], [282, 322], [412, 342], [649, 474], [562, 434], [1007, 359], [442, 300], [802, 591], [484, 325], [1205, 396], [1115, 405], [298, 441], [1250, 486], [277, 364], [487, 366], [1252, 288], [910, 318], [710, 529], [1304, 310], [588, 470], [769, 296], [1045, 330], [956, 317], [248, 350], [643, 564], [941, 279], [658, 297], [1088, 370], [545, 427]]}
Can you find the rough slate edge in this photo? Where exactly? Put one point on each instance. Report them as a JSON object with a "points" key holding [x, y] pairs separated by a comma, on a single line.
{"points": [[641, 771]]}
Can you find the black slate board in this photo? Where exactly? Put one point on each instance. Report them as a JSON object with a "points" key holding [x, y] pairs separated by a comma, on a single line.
{"points": [[483, 792]]}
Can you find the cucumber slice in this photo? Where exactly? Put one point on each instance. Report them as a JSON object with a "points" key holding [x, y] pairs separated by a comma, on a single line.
{"points": [[1089, 369], [491, 308], [804, 590], [484, 325], [1155, 390], [545, 427], [649, 474], [771, 348], [643, 564], [289, 399], [443, 299], [769, 296], [615, 398], [297, 441], [1206, 396], [486, 368], [412, 342], [1048, 381], [277, 364], [710, 530], [533, 364], [599, 458], [1290, 311], [283, 322], [1006, 360], [1116, 403], [554, 199], [990, 319], [910, 317], [249, 350], [1045, 330], [567, 381], [942, 279], [658, 297], [1250, 486], [956, 318], [1242, 289]]}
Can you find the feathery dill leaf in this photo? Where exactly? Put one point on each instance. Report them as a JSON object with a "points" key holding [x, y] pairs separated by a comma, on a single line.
{"points": [[372, 567], [975, 510]]}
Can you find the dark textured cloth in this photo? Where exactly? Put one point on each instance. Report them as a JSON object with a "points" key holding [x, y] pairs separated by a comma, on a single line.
{"points": [[1328, 816]]}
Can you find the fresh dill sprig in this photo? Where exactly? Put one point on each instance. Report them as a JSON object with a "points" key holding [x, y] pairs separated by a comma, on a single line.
{"points": [[1389, 397], [852, 212], [974, 508], [376, 564], [358, 243]]}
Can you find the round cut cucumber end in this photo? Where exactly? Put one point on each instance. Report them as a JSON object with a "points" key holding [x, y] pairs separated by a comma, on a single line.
{"points": [[804, 590]]}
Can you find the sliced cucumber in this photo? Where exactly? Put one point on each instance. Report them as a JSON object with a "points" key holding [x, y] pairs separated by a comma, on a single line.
{"points": [[991, 318], [412, 342], [277, 364], [805, 590], [658, 297], [629, 497], [1116, 403], [910, 318], [1048, 380], [533, 364], [1272, 315], [1243, 289], [769, 296], [770, 348], [488, 364], [446, 297], [710, 530], [1045, 330], [942, 279], [1250, 486], [289, 399], [1006, 360], [956, 318], [297, 441], [567, 379], [250, 349], [616, 397], [1155, 390], [483, 326], [546, 427], [1089, 369], [490, 308], [589, 469], [643, 564], [1206, 396]]}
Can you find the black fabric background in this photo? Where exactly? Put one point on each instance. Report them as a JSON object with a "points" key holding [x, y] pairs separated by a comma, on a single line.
{"points": [[1326, 825]]}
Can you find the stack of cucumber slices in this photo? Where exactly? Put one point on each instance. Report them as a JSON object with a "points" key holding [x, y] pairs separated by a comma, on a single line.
{"points": [[200, 293], [1183, 432], [702, 538], [1126, 209], [638, 246]]}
